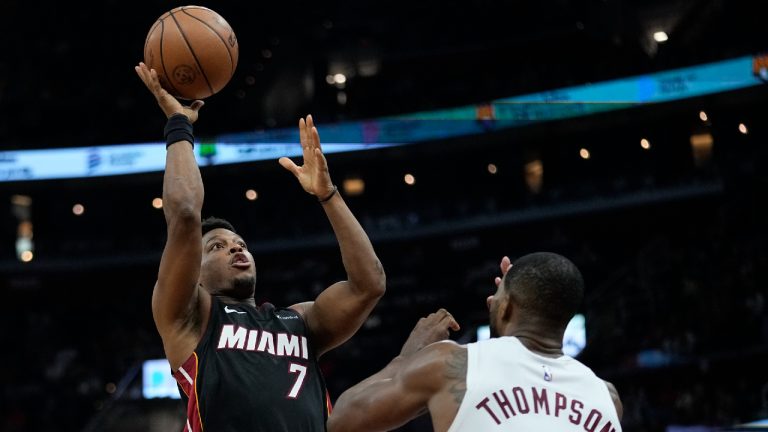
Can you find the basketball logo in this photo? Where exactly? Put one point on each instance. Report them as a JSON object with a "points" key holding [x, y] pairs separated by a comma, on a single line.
{"points": [[184, 74]]}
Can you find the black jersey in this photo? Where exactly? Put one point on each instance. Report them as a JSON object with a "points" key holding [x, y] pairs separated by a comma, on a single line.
{"points": [[254, 370]]}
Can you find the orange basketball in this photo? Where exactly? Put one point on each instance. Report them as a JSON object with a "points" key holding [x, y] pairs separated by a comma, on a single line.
{"points": [[194, 51]]}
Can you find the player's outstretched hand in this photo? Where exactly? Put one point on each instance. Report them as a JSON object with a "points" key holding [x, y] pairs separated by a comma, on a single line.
{"points": [[313, 175], [168, 103]]}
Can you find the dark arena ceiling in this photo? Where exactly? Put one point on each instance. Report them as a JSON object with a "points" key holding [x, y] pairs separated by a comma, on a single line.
{"points": [[66, 73]]}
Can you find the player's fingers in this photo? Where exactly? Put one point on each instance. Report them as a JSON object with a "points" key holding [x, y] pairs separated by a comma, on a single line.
{"points": [[289, 165], [505, 264], [315, 138], [449, 322], [322, 164], [142, 72], [196, 105], [154, 81], [310, 125], [302, 133], [444, 316], [436, 316], [497, 281], [454, 325]]}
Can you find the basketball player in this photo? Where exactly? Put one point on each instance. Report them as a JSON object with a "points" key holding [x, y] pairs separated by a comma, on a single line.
{"points": [[243, 366], [519, 380]]}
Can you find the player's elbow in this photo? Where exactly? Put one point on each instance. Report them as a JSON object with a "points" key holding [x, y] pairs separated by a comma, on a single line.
{"points": [[376, 282], [333, 424], [183, 213], [183, 197], [183, 218], [380, 282], [342, 420]]}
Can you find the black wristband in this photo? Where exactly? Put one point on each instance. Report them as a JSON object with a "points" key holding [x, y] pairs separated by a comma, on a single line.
{"points": [[178, 128], [333, 192]]}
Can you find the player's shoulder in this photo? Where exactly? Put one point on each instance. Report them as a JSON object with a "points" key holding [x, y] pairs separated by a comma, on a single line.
{"points": [[615, 398], [443, 348], [612, 390], [434, 364], [437, 356]]}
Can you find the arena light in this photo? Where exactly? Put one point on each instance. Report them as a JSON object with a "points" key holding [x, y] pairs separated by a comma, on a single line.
{"points": [[492, 168], [584, 153], [534, 175], [703, 116], [341, 98], [21, 200], [21, 206], [251, 195], [353, 186], [743, 128], [339, 78], [78, 209], [701, 147], [409, 179], [157, 203], [26, 256], [660, 36], [645, 144]]}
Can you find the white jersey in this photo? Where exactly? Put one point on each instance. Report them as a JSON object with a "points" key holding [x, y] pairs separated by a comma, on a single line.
{"points": [[510, 388]]}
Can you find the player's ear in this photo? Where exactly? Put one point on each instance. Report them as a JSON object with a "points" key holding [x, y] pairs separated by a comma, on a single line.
{"points": [[507, 307]]}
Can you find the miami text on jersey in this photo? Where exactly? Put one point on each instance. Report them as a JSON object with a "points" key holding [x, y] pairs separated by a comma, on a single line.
{"points": [[280, 344]]}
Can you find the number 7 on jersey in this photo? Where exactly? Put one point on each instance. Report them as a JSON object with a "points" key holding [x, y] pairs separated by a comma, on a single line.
{"points": [[302, 373]]}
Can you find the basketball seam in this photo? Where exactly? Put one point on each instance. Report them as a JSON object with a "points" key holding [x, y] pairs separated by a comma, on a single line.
{"points": [[151, 30], [200, 66], [231, 60], [162, 59]]}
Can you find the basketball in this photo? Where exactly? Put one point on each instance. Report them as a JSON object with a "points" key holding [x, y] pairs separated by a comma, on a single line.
{"points": [[194, 51]]}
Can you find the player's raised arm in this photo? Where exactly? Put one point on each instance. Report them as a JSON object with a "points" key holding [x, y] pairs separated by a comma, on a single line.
{"points": [[176, 288], [340, 310]]}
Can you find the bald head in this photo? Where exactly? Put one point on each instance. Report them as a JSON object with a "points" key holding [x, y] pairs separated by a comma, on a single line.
{"points": [[545, 286]]}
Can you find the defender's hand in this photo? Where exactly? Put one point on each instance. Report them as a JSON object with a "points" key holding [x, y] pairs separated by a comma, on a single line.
{"points": [[168, 103], [313, 175], [431, 329], [505, 266]]}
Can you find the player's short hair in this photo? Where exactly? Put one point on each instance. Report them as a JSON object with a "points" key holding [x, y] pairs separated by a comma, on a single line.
{"points": [[211, 223], [547, 285]]}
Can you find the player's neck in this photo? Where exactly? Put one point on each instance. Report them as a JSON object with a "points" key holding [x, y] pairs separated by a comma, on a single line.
{"points": [[233, 301], [539, 342]]}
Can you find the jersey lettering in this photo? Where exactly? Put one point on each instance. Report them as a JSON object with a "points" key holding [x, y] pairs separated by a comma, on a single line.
{"points": [[241, 338], [231, 338], [499, 407]]}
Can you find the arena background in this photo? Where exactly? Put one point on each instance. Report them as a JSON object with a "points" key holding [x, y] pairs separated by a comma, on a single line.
{"points": [[670, 232]]}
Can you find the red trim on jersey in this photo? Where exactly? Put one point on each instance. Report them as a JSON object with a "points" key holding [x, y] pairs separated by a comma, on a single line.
{"points": [[186, 376]]}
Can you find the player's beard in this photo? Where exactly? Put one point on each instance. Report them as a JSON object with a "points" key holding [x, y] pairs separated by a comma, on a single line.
{"points": [[244, 286]]}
